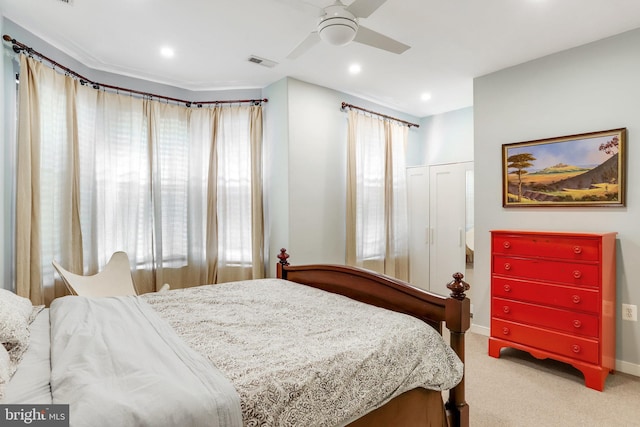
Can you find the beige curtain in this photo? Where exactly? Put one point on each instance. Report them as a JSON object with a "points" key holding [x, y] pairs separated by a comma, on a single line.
{"points": [[257, 209], [28, 271], [376, 196], [100, 172], [236, 156]]}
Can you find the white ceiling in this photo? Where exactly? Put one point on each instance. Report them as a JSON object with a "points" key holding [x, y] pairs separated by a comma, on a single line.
{"points": [[452, 41]]}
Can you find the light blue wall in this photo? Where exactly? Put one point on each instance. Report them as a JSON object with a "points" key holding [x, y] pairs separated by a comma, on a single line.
{"points": [[276, 172], [590, 88], [448, 137], [312, 223]]}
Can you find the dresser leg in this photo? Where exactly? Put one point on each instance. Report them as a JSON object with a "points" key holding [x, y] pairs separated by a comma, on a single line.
{"points": [[494, 347], [594, 378]]}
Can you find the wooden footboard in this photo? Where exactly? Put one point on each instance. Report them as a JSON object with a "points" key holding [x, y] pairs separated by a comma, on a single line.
{"points": [[386, 292]]}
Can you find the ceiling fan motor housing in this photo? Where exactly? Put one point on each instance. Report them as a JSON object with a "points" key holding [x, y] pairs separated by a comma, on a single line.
{"points": [[337, 26]]}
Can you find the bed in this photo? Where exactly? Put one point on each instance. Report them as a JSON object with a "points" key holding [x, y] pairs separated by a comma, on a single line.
{"points": [[273, 364]]}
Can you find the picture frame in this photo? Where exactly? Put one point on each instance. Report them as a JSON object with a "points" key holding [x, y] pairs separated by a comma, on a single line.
{"points": [[581, 170]]}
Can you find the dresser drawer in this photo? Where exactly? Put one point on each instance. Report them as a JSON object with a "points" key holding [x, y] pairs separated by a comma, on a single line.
{"points": [[571, 273], [582, 299], [548, 317], [567, 248], [567, 345]]}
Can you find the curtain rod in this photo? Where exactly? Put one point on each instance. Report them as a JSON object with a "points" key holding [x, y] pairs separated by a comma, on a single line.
{"points": [[19, 47], [409, 124]]}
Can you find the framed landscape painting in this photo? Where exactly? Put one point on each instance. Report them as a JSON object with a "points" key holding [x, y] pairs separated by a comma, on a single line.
{"points": [[578, 170]]}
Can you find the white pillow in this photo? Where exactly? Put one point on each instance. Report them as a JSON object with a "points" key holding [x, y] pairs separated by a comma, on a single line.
{"points": [[16, 313], [16, 303]]}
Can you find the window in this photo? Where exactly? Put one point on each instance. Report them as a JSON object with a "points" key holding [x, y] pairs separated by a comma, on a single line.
{"points": [[117, 172], [234, 189], [376, 194]]}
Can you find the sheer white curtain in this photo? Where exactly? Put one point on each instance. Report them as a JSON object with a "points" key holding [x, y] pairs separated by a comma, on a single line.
{"points": [[239, 195], [376, 195], [174, 187]]}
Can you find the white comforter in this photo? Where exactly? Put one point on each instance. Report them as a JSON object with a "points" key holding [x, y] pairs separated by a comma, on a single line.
{"points": [[118, 364], [299, 356]]}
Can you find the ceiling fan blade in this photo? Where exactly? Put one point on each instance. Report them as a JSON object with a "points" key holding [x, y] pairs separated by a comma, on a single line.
{"points": [[364, 8], [380, 41], [311, 40]]}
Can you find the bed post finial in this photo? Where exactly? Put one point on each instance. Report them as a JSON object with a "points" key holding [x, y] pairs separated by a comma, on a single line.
{"points": [[282, 256], [457, 286]]}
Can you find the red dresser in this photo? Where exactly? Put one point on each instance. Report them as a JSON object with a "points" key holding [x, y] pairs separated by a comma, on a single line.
{"points": [[554, 295]]}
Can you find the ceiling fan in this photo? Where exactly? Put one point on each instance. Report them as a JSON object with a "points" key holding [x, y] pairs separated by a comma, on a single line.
{"points": [[338, 25]]}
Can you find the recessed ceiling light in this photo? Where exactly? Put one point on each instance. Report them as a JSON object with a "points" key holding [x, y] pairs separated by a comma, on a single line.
{"points": [[167, 52], [355, 69], [425, 96]]}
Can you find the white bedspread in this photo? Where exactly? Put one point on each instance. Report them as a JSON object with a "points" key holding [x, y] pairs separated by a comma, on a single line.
{"points": [[299, 356], [118, 364]]}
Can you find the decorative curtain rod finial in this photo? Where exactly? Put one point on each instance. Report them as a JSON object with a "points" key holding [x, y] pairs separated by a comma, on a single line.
{"points": [[16, 46]]}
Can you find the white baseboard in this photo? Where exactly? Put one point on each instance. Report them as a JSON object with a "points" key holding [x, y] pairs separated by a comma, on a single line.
{"points": [[628, 368], [480, 330], [621, 365]]}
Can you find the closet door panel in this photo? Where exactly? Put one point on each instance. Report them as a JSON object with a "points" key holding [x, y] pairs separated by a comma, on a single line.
{"points": [[447, 184], [418, 209]]}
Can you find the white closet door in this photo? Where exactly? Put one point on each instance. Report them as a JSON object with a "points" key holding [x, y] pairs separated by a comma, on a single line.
{"points": [[447, 184], [418, 211]]}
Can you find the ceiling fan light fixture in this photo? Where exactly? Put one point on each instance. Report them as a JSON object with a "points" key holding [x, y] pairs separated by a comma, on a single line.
{"points": [[338, 32], [338, 26]]}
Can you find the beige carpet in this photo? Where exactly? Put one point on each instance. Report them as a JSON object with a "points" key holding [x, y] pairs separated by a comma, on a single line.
{"points": [[520, 390]]}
